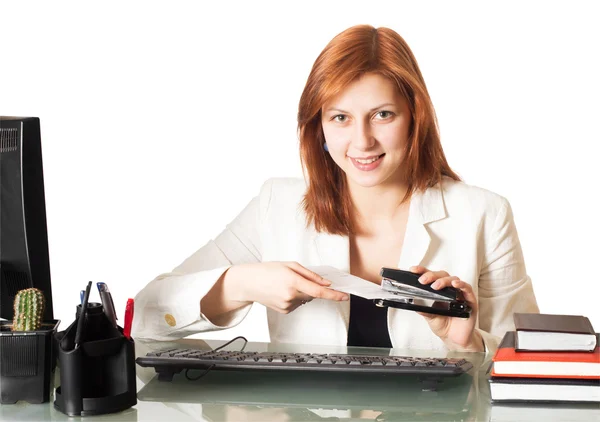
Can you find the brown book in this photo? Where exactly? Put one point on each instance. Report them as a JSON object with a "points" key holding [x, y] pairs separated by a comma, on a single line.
{"points": [[550, 332]]}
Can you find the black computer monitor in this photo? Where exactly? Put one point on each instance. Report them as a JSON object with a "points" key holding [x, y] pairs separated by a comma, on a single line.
{"points": [[24, 259]]}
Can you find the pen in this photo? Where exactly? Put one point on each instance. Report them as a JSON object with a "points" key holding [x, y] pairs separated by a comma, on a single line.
{"points": [[107, 303], [81, 295], [128, 318], [81, 321]]}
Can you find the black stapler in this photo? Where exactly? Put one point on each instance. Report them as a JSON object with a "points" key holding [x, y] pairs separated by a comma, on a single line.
{"points": [[407, 286]]}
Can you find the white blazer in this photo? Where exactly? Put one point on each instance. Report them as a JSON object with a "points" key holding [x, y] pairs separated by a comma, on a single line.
{"points": [[467, 231]]}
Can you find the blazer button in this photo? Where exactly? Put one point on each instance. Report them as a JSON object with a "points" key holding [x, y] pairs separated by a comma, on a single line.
{"points": [[170, 320]]}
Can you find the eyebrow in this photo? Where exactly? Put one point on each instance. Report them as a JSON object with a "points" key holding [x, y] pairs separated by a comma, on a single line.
{"points": [[370, 111]]}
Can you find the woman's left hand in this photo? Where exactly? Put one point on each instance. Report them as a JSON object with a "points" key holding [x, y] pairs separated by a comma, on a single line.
{"points": [[457, 333]]}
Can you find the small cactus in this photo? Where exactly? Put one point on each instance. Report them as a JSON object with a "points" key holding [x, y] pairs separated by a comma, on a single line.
{"points": [[28, 310]]}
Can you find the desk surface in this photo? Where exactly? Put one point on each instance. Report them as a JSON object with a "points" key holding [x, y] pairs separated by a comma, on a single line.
{"points": [[261, 396]]}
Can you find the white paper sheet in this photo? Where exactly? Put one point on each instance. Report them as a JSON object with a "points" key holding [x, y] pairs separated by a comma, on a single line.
{"points": [[348, 283]]}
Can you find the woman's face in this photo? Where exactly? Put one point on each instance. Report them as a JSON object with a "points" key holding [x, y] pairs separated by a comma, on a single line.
{"points": [[366, 128]]}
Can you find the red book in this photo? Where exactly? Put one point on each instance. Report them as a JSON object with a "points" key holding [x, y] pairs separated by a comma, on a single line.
{"points": [[510, 363]]}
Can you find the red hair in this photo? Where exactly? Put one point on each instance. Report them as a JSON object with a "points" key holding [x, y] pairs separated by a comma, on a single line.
{"points": [[359, 50]]}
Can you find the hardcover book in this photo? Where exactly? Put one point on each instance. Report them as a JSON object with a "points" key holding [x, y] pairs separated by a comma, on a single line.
{"points": [[554, 332], [545, 389], [508, 362]]}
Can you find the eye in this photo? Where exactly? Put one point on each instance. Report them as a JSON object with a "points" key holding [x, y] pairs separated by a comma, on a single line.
{"points": [[384, 114], [340, 118]]}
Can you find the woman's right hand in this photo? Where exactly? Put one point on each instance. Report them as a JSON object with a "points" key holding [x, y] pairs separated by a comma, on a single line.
{"points": [[281, 286]]}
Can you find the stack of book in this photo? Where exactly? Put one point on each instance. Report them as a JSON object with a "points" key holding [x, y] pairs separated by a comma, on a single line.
{"points": [[549, 358]]}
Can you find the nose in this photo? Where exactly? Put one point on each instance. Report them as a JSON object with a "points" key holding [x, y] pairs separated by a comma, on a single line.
{"points": [[363, 139]]}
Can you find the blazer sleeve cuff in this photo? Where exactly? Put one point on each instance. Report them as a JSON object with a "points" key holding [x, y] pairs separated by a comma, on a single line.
{"points": [[176, 312]]}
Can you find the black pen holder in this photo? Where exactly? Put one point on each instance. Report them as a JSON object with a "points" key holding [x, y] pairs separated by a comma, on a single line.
{"points": [[97, 376]]}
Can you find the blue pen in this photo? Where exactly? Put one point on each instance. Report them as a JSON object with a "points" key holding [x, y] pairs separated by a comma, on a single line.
{"points": [[107, 302], [81, 295]]}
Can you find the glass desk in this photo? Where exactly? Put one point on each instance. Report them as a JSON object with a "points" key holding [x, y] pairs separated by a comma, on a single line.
{"points": [[304, 396]]}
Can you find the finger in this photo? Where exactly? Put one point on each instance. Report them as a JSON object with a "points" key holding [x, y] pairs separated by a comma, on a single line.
{"points": [[286, 306], [466, 289], [418, 269], [303, 298], [440, 283], [308, 274], [321, 292], [293, 296], [431, 276]]}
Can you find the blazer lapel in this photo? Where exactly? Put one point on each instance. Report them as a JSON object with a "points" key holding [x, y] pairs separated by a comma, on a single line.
{"points": [[334, 250], [425, 207]]}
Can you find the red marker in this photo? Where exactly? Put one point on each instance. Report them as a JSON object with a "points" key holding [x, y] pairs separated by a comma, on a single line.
{"points": [[128, 318]]}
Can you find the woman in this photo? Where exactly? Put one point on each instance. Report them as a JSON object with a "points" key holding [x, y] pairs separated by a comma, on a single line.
{"points": [[378, 192]]}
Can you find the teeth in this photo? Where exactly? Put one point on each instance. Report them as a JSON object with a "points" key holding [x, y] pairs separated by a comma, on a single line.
{"points": [[369, 161]]}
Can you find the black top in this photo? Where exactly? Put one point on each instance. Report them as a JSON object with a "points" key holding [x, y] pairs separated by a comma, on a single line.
{"points": [[368, 324]]}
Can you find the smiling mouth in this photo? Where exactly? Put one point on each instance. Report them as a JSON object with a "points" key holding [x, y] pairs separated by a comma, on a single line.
{"points": [[368, 160]]}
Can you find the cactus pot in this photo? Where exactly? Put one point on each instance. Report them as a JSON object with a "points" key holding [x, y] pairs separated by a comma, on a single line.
{"points": [[27, 363]]}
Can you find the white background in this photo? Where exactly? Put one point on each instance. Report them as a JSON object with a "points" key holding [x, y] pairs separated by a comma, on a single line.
{"points": [[161, 120]]}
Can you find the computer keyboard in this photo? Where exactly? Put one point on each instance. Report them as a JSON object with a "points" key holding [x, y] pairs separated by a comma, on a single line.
{"points": [[171, 361]]}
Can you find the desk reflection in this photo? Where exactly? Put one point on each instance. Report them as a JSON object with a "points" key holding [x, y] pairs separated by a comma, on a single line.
{"points": [[322, 396], [311, 396], [231, 395]]}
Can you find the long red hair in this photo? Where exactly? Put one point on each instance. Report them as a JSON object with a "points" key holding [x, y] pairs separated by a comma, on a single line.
{"points": [[356, 51]]}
